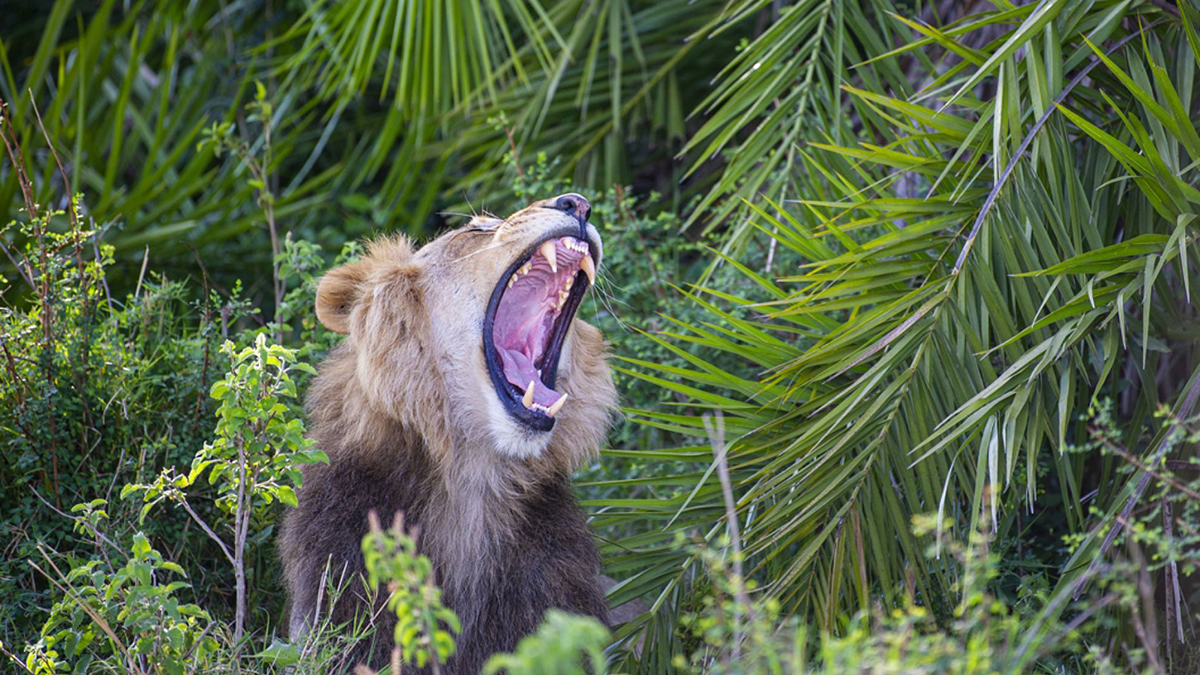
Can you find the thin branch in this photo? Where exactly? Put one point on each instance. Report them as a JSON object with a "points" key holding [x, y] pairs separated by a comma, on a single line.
{"points": [[1083, 616], [141, 275], [716, 438], [1123, 454], [87, 609], [61, 169], [1185, 410], [103, 275], [26, 275], [98, 534], [207, 530], [14, 658]]}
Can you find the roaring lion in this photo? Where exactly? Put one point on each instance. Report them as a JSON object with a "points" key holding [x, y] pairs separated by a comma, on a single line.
{"points": [[464, 395]]}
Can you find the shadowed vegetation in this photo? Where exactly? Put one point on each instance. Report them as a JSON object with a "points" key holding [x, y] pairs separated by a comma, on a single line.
{"points": [[900, 297]]}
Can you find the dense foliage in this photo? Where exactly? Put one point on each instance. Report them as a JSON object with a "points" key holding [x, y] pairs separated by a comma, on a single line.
{"points": [[899, 296]]}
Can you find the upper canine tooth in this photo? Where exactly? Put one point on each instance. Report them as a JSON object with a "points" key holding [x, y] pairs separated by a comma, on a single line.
{"points": [[550, 254], [527, 399], [556, 406], [588, 267]]}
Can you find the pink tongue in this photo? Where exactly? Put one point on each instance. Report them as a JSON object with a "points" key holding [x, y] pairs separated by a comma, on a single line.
{"points": [[519, 370], [523, 323]]}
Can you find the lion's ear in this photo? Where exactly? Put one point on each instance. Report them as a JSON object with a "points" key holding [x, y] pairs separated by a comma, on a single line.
{"points": [[339, 289]]}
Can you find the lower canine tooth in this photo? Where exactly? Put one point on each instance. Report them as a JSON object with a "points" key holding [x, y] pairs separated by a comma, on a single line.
{"points": [[527, 399], [553, 409]]}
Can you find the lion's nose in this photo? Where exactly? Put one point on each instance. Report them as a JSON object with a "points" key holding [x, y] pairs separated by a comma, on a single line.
{"points": [[575, 205]]}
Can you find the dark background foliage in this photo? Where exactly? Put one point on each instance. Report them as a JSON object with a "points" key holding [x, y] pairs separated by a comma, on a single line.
{"points": [[931, 262]]}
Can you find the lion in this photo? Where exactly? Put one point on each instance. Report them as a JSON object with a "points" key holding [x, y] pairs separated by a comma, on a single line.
{"points": [[465, 393]]}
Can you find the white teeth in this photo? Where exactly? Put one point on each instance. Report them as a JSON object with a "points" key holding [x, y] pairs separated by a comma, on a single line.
{"points": [[569, 283], [556, 406], [525, 269], [527, 399], [562, 300], [575, 245], [588, 267], [512, 280], [550, 254]]}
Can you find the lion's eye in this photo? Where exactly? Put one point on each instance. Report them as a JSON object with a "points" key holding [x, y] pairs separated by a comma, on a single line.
{"points": [[484, 223]]}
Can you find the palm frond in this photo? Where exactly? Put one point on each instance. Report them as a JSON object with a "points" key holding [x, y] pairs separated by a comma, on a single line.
{"points": [[946, 309]]}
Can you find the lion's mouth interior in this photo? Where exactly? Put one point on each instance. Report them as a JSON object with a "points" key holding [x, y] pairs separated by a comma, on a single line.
{"points": [[530, 320]]}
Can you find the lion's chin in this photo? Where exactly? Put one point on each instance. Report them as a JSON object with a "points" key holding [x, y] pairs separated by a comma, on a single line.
{"points": [[514, 439]]}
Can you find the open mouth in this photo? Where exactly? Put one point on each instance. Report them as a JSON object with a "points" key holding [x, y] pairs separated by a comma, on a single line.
{"points": [[526, 325]]}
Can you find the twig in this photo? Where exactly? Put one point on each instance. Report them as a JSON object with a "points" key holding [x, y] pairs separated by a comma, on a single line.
{"points": [[716, 438], [17, 158], [1119, 451], [26, 275], [16, 155], [207, 342], [82, 371], [1166, 7], [1185, 410], [1173, 600], [145, 259], [512, 146], [198, 640], [1170, 584], [1145, 622], [241, 525], [207, 530], [61, 170], [87, 609], [14, 658], [98, 534], [103, 276], [1074, 623]]}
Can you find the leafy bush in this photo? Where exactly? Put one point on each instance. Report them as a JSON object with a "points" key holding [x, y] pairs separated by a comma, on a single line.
{"points": [[97, 391], [129, 615], [565, 643], [425, 628], [258, 451]]}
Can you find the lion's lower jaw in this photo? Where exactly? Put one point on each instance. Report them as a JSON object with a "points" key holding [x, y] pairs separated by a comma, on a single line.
{"points": [[514, 439]]}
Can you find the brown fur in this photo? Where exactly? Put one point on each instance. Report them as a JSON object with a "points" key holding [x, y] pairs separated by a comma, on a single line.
{"points": [[407, 414]]}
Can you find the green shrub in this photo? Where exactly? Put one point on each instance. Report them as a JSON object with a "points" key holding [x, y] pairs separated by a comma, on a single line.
{"points": [[127, 614], [97, 391], [254, 460], [425, 628], [564, 644]]}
